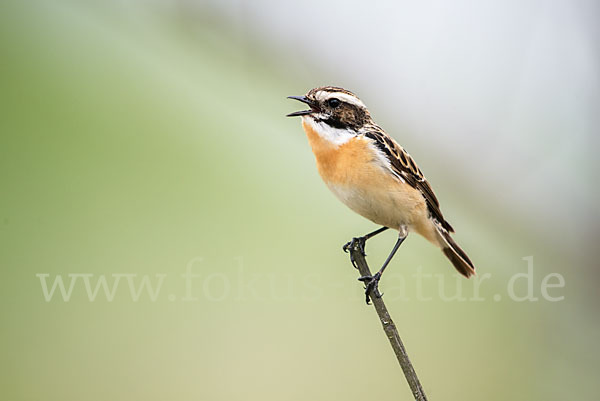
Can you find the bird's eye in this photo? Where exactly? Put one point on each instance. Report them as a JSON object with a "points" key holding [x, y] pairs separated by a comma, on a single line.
{"points": [[333, 103]]}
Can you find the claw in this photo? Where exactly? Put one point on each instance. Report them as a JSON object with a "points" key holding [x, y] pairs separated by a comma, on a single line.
{"points": [[371, 286], [347, 246], [355, 243]]}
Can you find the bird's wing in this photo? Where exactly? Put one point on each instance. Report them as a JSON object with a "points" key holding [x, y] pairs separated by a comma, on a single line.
{"points": [[406, 168]]}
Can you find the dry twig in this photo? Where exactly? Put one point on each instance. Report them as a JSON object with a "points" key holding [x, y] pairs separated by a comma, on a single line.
{"points": [[390, 330]]}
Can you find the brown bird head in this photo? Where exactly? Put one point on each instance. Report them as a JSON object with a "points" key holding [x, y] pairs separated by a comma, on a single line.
{"points": [[334, 106]]}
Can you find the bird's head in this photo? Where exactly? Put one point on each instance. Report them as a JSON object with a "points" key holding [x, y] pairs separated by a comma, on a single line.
{"points": [[337, 107]]}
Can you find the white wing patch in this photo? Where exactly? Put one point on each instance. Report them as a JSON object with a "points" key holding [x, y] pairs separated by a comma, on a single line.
{"points": [[383, 160]]}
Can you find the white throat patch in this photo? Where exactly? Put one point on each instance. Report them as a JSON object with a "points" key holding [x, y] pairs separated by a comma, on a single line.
{"points": [[336, 136]]}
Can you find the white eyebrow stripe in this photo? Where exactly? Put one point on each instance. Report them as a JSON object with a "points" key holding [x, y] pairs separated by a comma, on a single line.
{"points": [[344, 97]]}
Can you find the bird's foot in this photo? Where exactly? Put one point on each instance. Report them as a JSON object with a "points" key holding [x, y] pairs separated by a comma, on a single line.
{"points": [[371, 286], [355, 243]]}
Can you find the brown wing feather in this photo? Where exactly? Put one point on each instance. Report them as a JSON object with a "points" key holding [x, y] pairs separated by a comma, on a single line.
{"points": [[406, 168]]}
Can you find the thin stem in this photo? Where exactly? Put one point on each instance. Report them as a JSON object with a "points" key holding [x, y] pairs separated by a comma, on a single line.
{"points": [[391, 332]]}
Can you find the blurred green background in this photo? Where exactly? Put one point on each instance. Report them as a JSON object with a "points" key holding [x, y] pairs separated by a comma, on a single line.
{"points": [[148, 139]]}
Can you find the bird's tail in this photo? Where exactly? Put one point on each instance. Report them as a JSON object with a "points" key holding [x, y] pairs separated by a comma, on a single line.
{"points": [[457, 256]]}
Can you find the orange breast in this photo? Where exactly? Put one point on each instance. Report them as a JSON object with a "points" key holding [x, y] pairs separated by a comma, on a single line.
{"points": [[346, 164], [355, 174]]}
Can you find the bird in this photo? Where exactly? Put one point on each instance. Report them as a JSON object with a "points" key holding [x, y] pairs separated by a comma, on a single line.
{"points": [[374, 176]]}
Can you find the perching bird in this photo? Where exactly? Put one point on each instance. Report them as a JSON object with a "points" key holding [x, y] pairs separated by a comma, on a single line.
{"points": [[373, 175]]}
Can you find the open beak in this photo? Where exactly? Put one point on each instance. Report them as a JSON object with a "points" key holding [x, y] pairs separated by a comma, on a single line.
{"points": [[303, 99]]}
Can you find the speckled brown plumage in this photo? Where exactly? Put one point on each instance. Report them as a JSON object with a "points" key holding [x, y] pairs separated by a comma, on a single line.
{"points": [[371, 173]]}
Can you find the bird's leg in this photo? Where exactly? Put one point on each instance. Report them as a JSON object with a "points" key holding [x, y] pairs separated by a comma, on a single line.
{"points": [[372, 282], [360, 243]]}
